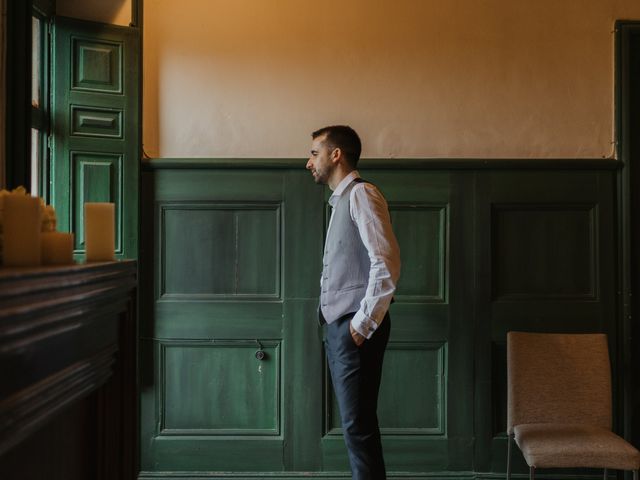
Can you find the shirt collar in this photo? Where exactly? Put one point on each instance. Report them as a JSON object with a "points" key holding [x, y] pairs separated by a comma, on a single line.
{"points": [[344, 183]]}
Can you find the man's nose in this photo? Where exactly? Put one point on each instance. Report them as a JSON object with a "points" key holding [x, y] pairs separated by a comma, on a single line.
{"points": [[309, 164]]}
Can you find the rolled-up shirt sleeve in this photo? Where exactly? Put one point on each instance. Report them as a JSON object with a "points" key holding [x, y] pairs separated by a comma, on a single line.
{"points": [[370, 212]]}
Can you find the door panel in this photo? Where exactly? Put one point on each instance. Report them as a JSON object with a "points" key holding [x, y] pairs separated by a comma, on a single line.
{"points": [[216, 402], [222, 241]]}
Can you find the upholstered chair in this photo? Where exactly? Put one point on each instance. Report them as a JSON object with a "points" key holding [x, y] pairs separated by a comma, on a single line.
{"points": [[559, 403]]}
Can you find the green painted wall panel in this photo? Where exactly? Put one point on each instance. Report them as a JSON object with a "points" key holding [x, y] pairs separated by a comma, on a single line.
{"points": [[217, 249], [223, 319], [483, 252], [412, 398], [198, 250], [553, 244], [223, 454], [421, 231], [257, 253], [220, 388]]}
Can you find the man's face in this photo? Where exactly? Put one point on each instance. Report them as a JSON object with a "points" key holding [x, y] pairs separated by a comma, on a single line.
{"points": [[320, 162]]}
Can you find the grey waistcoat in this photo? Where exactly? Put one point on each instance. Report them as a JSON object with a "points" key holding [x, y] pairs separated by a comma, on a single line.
{"points": [[345, 264]]}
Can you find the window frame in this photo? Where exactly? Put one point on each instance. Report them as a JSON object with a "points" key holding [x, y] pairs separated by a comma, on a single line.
{"points": [[40, 115]]}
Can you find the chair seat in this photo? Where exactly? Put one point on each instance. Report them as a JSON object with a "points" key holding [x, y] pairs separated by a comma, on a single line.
{"points": [[548, 445]]}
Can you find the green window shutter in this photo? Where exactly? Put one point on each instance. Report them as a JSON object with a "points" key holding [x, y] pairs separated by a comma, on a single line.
{"points": [[95, 126]]}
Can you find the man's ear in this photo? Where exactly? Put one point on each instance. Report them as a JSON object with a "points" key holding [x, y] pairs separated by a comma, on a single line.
{"points": [[336, 155]]}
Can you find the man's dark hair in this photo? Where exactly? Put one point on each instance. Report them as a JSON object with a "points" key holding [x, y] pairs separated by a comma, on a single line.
{"points": [[343, 137]]}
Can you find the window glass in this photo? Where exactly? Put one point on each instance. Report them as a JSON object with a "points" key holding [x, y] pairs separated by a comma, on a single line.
{"points": [[35, 160], [36, 61], [39, 105]]}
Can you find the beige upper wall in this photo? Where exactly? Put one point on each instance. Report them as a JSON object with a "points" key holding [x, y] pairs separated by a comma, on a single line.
{"points": [[116, 12], [417, 78]]}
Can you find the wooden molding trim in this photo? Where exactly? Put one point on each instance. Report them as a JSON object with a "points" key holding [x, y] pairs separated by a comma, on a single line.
{"points": [[389, 163], [60, 331], [27, 410]]}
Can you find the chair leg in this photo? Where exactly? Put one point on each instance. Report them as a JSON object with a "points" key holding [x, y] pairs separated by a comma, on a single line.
{"points": [[509, 442], [532, 473], [635, 475], [605, 474]]}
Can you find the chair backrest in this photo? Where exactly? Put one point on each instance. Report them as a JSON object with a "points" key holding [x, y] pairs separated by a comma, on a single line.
{"points": [[558, 378]]}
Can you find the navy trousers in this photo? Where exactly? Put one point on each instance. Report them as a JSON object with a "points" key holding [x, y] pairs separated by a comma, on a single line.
{"points": [[356, 373]]}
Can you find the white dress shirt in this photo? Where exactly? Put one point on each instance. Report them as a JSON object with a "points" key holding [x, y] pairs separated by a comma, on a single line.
{"points": [[369, 211]]}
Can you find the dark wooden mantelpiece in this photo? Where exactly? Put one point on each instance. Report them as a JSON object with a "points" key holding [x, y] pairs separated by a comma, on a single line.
{"points": [[68, 371]]}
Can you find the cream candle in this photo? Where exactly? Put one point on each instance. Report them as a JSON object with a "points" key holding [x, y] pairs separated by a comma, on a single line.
{"points": [[22, 221], [99, 231], [57, 248]]}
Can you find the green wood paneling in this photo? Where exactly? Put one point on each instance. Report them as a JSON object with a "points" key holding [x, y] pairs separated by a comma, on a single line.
{"points": [[95, 178], [220, 388], [98, 122], [198, 251], [95, 126], [545, 257], [421, 231], [408, 404], [96, 65], [544, 250], [213, 249], [220, 247], [234, 256]]}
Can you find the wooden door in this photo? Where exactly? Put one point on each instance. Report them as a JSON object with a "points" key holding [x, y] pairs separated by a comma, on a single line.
{"points": [[234, 264]]}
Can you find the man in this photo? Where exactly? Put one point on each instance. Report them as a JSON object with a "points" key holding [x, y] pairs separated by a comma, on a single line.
{"points": [[361, 266]]}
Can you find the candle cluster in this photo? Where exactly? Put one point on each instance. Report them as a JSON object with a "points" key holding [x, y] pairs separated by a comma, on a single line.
{"points": [[28, 235]]}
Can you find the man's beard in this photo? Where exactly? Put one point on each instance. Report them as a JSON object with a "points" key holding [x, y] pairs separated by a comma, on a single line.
{"points": [[322, 176]]}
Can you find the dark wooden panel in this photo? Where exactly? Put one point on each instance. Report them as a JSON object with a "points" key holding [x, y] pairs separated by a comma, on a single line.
{"points": [[65, 448], [627, 109], [544, 251], [67, 360], [545, 259]]}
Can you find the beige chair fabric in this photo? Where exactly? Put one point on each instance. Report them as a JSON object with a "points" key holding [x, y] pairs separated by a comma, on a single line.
{"points": [[569, 445], [559, 402]]}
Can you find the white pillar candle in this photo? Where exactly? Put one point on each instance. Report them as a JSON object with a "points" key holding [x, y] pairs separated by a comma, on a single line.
{"points": [[57, 248], [99, 231], [22, 222]]}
